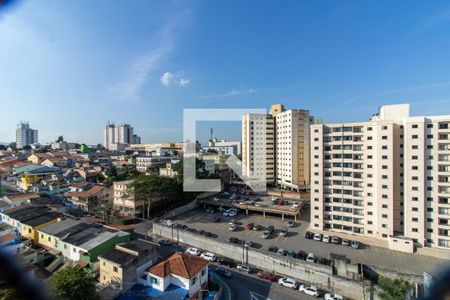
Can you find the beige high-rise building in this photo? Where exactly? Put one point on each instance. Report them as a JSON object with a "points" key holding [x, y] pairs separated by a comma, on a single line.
{"points": [[280, 142], [292, 140], [258, 146], [383, 178]]}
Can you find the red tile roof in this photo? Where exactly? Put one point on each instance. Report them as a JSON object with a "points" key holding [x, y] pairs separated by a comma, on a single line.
{"points": [[22, 196], [85, 194], [7, 237], [180, 264]]}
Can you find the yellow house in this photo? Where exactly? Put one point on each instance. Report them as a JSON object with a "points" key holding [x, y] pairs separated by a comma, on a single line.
{"points": [[37, 158], [50, 235], [29, 218]]}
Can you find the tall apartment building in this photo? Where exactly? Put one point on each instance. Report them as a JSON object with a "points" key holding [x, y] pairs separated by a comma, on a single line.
{"points": [[292, 140], [286, 135], [383, 178], [258, 150], [25, 135], [121, 134]]}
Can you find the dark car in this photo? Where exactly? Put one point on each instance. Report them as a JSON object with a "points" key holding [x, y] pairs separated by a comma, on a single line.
{"points": [[301, 254], [250, 226], [290, 253], [273, 249], [309, 235], [233, 240], [267, 276], [223, 272], [227, 262], [323, 261], [206, 233], [164, 242], [271, 228]]}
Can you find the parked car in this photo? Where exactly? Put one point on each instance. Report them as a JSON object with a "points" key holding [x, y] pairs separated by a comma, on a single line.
{"points": [[290, 253], [295, 204], [301, 254], [226, 213], [226, 262], [164, 243], [232, 213], [283, 232], [250, 226], [281, 252], [232, 222], [329, 296], [326, 239], [223, 272], [244, 268], [335, 240], [288, 282], [309, 235], [323, 261], [270, 228], [267, 275], [290, 224], [317, 237], [266, 234], [258, 203], [273, 249], [310, 257], [309, 290], [355, 244], [345, 242], [233, 240], [233, 227], [208, 256], [193, 251], [256, 227]]}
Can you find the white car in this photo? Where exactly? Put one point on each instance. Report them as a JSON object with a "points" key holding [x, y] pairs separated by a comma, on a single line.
{"points": [[309, 290], [317, 237], [232, 222], [216, 199], [288, 282], [326, 239], [168, 222], [329, 296], [310, 257], [193, 251], [233, 227], [295, 205], [242, 267], [258, 203], [208, 256], [232, 213]]}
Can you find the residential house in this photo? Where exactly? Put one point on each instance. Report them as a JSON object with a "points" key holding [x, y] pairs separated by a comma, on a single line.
{"points": [[37, 158], [88, 196], [123, 202], [181, 270], [14, 200], [28, 178], [59, 162], [124, 265], [29, 218], [168, 171]]}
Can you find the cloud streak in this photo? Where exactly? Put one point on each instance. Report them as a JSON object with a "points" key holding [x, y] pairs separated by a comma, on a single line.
{"points": [[129, 90], [231, 93], [168, 79]]}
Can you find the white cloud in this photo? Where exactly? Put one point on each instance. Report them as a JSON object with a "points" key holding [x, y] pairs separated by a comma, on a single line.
{"points": [[184, 81], [167, 78], [129, 90], [232, 93]]}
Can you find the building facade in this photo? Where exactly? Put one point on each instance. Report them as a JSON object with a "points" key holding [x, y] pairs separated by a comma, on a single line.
{"points": [[25, 135], [121, 134], [383, 178]]}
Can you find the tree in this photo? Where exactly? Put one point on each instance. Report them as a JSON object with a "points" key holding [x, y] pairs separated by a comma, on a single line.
{"points": [[2, 147], [153, 169], [60, 139], [100, 147], [26, 147], [211, 151], [13, 146], [393, 289], [73, 283], [111, 171]]}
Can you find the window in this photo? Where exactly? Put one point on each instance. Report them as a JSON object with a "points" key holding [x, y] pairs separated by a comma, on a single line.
{"points": [[154, 280], [415, 126], [414, 136], [115, 269], [194, 280], [203, 272]]}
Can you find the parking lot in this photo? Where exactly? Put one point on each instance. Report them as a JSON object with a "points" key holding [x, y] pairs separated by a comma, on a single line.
{"points": [[295, 240]]}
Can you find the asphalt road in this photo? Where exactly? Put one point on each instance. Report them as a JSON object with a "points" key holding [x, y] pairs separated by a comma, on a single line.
{"points": [[249, 287]]}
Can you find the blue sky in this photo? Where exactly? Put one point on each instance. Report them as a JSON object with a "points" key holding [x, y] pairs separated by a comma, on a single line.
{"points": [[68, 67]]}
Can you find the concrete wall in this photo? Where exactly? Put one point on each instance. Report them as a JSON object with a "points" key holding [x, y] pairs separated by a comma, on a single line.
{"points": [[187, 207], [319, 275]]}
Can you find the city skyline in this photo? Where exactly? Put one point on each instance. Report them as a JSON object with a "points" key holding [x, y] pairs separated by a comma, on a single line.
{"points": [[168, 56]]}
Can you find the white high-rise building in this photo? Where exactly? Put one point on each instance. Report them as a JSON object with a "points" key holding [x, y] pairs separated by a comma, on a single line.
{"points": [[121, 135], [385, 178], [25, 135]]}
